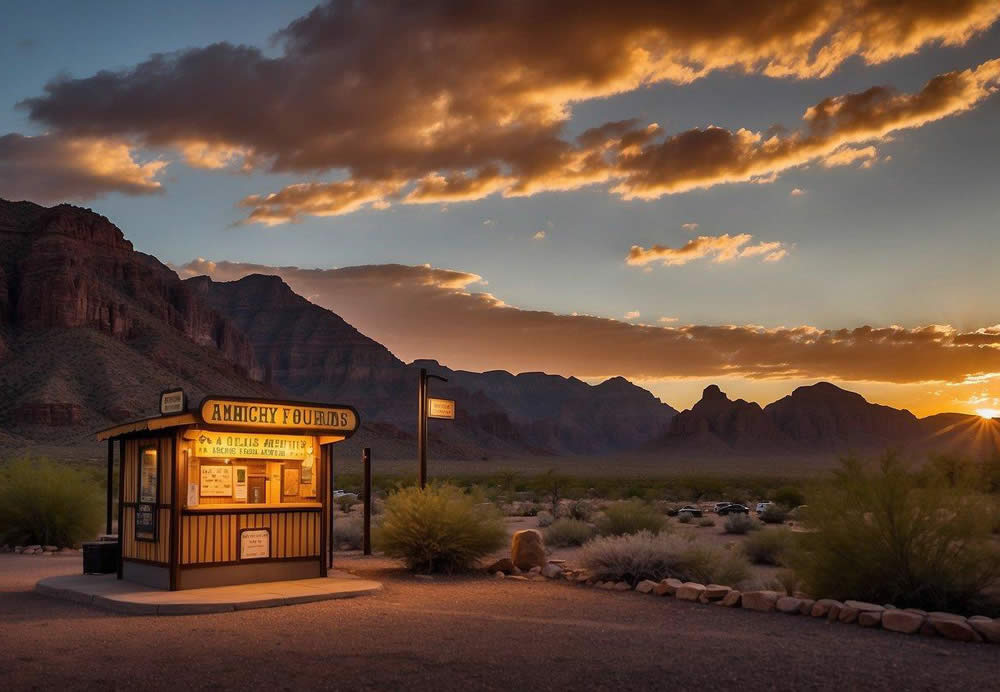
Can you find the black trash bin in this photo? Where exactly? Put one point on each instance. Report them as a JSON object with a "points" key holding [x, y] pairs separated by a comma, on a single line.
{"points": [[100, 557]]}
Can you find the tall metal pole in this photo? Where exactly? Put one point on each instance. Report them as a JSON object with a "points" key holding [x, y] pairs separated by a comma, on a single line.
{"points": [[366, 458], [422, 427]]}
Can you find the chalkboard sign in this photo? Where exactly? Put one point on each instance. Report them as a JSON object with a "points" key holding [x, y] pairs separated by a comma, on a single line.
{"points": [[148, 494], [145, 522]]}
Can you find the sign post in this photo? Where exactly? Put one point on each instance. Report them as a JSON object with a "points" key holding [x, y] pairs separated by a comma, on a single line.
{"points": [[422, 416], [366, 458]]}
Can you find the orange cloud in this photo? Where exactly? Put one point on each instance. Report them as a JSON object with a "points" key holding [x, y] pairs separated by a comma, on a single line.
{"points": [[722, 248], [56, 168], [423, 312], [463, 104]]}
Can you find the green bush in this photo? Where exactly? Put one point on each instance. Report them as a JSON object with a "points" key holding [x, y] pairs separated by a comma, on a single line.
{"points": [[788, 496], [739, 524], [768, 547], [48, 503], [685, 518], [631, 516], [345, 502], [706, 522], [349, 531], [646, 555], [439, 528], [774, 515], [568, 532], [580, 509], [545, 519], [876, 535]]}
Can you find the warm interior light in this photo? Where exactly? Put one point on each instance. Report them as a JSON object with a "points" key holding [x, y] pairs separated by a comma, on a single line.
{"points": [[988, 412]]}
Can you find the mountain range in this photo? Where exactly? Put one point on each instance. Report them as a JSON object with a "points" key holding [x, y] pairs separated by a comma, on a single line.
{"points": [[91, 331]]}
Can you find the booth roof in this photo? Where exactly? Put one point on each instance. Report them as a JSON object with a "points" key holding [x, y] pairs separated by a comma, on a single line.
{"points": [[172, 420]]}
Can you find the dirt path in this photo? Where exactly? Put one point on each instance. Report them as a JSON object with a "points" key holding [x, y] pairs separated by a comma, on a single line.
{"points": [[460, 633]]}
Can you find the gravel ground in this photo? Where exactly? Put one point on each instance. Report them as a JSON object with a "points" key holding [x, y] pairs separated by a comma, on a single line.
{"points": [[460, 633]]}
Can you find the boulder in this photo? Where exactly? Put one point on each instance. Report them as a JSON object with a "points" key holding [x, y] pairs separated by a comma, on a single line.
{"points": [[806, 606], [763, 601], [527, 549], [953, 627], [499, 574], [690, 591], [645, 586], [715, 592], [622, 586], [904, 621], [667, 587], [987, 628], [789, 605], [551, 571], [504, 565], [870, 618], [731, 599], [848, 614], [833, 615], [50, 548], [822, 607], [862, 606]]}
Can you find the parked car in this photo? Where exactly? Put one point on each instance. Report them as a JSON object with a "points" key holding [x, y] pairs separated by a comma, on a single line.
{"points": [[734, 508], [691, 510], [343, 493], [762, 507], [720, 505]]}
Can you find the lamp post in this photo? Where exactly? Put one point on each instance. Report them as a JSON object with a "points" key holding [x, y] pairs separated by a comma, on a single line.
{"points": [[422, 423]]}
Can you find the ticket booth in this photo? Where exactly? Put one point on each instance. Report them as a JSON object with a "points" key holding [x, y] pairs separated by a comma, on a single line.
{"points": [[234, 491]]}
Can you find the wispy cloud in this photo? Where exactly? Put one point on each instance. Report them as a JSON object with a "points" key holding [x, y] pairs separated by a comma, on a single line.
{"points": [[721, 248]]}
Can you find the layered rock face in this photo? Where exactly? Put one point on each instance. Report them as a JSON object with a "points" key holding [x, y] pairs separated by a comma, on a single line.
{"points": [[739, 423], [67, 267]]}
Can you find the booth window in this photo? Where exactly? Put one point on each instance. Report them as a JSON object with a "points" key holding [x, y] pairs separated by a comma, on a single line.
{"points": [[238, 480]]}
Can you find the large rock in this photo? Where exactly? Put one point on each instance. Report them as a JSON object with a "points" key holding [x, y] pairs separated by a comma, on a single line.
{"points": [[764, 601], [667, 587], [953, 627], [552, 571], [789, 605], [821, 608], [690, 591], [862, 606], [848, 614], [904, 621], [645, 586], [731, 599], [527, 549], [870, 618], [806, 606]]}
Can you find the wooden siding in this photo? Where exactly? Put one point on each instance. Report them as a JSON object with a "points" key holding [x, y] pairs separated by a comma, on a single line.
{"points": [[208, 538], [150, 551]]}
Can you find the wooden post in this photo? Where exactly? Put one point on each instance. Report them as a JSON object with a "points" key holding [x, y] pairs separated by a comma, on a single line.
{"points": [[111, 483], [422, 427], [121, 506], [329, 502], [366, 458]]}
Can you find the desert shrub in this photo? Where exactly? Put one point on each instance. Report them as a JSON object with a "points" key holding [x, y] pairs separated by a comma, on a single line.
{"points": [[545, 518], [439, 528], [348, 531], [685, 518], [768, 547], [706, 522], [788, 496], [739, 524], [646, 555], [48, 503], [877, 536], [345, 502], [631, 516], [774, 515], [568, 532], [582, 510]]}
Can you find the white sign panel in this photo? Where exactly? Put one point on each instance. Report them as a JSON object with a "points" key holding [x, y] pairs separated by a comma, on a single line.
{"points": [[255, 544], [441, 408], [173, 402], [216, 481]]}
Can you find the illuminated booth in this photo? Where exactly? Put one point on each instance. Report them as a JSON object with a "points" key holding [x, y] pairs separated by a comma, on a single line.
{"points": [[235, 491]]}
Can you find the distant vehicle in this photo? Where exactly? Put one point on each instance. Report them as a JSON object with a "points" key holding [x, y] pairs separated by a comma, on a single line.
{"points": [[720, 505], [343, 493], [734, 508], [693, 511], [762, 507]]}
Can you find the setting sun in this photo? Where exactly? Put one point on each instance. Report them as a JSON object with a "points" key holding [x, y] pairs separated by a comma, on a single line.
{"points": [[988, 412]]}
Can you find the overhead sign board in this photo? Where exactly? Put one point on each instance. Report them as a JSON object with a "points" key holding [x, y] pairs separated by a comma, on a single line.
{"points": [[277, 415], [227, 445], [441, 408], [173, 401]]}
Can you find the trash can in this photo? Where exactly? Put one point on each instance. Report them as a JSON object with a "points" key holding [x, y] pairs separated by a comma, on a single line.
{"points": [[100, 557]]}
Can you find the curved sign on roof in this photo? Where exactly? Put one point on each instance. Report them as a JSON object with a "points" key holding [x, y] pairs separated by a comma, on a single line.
{"points": [[252, 414]]}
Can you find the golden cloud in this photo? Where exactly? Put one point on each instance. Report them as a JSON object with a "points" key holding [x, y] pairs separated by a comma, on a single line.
{"points": [[56, 168], [423, 312], [722, 248], [472, 99]]}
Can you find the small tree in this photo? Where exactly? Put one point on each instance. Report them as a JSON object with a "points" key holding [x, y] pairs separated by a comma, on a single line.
{"points": [[552, 485]]}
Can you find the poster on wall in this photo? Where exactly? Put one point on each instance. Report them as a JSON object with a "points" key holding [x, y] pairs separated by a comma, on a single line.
{"points": [[145, 522], [216, 481], [148, 476], [290, 482], [255, 544], [240, 484]]}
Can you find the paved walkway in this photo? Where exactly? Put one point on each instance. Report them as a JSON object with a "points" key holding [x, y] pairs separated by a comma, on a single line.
{"points": [[105, 591]]}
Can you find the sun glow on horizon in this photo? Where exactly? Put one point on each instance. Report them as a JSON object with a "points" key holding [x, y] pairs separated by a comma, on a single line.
{"points": [[988, 412]]}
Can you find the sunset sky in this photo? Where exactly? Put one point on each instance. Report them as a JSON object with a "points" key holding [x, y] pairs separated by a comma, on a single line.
{"points": [[759, 194]]}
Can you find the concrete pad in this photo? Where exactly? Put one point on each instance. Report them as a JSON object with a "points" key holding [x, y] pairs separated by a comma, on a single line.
{"points": [[105, 591]]}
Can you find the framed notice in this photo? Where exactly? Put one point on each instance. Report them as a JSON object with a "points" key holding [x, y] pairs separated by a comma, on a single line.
{"points": [[255, 544], [216, 481], [240, 483], [443, 409], [290, 482], [148, 495]]}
